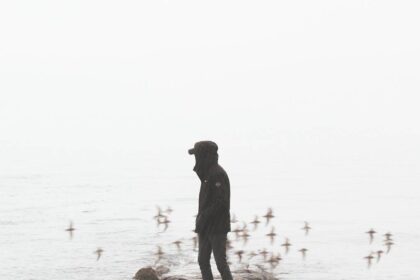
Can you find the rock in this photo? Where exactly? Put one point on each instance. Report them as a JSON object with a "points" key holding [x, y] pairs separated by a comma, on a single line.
{"points": [[161, 269], [146, 273], [248, 274], [173, 278]]}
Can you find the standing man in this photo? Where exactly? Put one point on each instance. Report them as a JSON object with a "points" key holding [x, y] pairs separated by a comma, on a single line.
{"points": [[213, 219]]}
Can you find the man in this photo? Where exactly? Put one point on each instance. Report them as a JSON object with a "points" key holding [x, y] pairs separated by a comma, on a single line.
{"points": [[213, 219]]}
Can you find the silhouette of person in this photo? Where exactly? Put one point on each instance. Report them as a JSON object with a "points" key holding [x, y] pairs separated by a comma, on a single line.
{"points": [[213, 219]]}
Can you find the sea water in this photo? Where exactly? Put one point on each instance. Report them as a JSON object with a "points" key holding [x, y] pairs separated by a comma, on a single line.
{"points": [[111, 199]]}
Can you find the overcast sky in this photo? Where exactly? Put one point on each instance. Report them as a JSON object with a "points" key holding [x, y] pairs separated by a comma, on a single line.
{"points": [[309, 78]]}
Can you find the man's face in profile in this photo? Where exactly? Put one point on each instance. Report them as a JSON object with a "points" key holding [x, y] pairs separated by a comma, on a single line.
{"points": [[196, 159]]}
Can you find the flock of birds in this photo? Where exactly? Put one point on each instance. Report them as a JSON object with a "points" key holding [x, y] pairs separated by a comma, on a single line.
{"points": [[388, 243], [242, 232]]}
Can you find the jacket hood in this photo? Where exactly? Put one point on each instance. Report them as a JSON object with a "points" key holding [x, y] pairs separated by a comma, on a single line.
{"points": [[206, 156]]}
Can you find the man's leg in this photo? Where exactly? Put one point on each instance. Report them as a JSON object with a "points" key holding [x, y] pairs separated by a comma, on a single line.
{"points": [[218, 243], [204, 252]]}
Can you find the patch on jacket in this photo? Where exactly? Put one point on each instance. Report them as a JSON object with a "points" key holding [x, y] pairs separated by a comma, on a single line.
{"points": [[218, 184]]}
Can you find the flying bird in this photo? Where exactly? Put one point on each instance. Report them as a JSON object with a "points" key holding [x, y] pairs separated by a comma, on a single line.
{"points": [[271, 234], [70, 229], [286, 245], [378, 255], [306, 228], [159, 254], [98, 253], [159, 214], [388, 245], [177, 243], [268, 216], [369, 259], [274, 260], [371, 233], [388, 236], [237, 230], [165, 222], [239, 254], [303, 251], [255, 222], [264, 253], [245, 235]]}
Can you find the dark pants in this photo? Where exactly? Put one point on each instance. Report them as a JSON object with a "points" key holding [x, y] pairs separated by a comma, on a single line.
{"points": [[216, 243]]}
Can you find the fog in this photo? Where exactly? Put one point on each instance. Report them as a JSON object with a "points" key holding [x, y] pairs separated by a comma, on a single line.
{"points": [[302, 83], [314, 106], [133, 74]]}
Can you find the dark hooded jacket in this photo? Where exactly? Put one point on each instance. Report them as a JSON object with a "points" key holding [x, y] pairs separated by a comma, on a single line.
{"points": [[214, 199]]}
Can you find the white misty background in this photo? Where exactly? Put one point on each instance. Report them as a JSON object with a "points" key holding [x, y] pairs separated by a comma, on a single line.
{"points": [[318, 97]]}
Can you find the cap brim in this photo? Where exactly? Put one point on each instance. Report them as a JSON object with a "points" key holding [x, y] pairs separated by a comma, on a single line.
{"points": [[191, 151]]}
